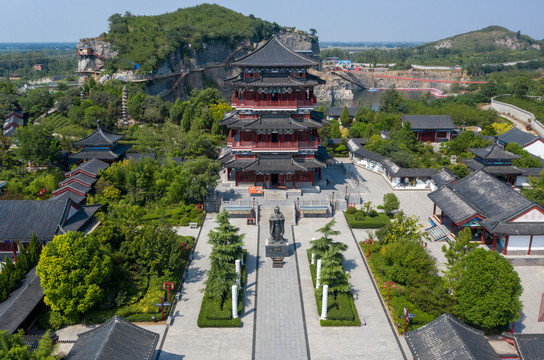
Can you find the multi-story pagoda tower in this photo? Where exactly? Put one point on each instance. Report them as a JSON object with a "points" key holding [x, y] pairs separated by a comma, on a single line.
{"points": [[273, 138]]}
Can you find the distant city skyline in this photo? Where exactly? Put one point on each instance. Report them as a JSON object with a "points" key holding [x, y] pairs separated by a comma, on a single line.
{"points": [[384, 21]]}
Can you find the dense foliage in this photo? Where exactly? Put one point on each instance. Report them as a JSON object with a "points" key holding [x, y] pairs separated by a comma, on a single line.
{"points": [[147, 40], [489, 290], [56, 62], [12, 347], [226, 249], [13, 272]]}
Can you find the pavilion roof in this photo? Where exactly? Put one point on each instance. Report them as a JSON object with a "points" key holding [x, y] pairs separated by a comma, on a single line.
{"points": [[100, 137], [114, 153], [492, 152], [273, 122], [92, 167], [274, 54], [529, 346], [443, 177], [449, 339], [275, 80], [115, 339]]}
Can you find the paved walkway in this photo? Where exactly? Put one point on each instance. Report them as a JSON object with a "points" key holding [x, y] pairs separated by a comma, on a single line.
{"points": [[376, 339], [532, 280], [280, 322], [184, 339]]}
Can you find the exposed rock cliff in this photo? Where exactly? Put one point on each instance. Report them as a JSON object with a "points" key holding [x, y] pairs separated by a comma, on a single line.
{"points": [[94, 60]]}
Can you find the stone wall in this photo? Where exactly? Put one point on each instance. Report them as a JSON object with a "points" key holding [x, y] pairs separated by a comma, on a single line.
{"points": [[520, 114]]}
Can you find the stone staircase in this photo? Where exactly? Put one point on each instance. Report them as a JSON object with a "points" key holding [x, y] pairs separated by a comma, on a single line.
{"points": [[287, 211]]}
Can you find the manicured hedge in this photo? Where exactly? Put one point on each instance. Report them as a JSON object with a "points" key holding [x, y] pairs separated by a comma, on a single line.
{"points": [[345, 315], [358, 221], [211, 314]]}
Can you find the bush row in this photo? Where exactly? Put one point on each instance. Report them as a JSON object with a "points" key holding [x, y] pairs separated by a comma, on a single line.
{"points": [[345, 314], [214, 314], [366, 222]]}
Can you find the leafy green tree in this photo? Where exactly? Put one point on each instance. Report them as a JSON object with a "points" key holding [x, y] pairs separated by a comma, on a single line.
{"points": [[332, 273], [489, 290], [390, 203], [455, 255], [73, 271], [37, 101], [344, 117], [392, 102], [522, 85], [536, 191], [227, 247], [527, 159], [36, 144], [335, 130], [325, 243], [94, 113], [401, 228], [459, 169]]}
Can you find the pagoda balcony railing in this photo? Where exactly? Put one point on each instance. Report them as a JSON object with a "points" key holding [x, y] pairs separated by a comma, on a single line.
{"points": [[273, 146], [271, 104]]}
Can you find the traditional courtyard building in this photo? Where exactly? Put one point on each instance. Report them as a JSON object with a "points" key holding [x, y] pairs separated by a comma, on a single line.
{"points": [[102, 145], [432, 128], [273, 138], [23, 218], [529, 142], [501, 215], [495, 161]]}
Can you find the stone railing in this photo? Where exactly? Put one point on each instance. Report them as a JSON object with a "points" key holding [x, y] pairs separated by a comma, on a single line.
{"points": [[523, 115]]}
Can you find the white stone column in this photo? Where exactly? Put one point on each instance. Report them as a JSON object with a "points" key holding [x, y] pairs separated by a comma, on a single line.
{"points": [[242, 258], [238, 272], [234, 301], [324, 302], [318, 274], [313, 258]]}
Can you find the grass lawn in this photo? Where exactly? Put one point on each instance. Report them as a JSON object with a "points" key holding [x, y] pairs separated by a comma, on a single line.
{"points": [[357, 220]]}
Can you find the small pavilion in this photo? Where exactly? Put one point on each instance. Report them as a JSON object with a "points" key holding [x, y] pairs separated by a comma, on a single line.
{"points": [[102, 145]]}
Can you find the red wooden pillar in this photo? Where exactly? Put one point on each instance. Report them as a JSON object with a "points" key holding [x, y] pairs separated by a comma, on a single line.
{"points": [[294, 179], [530, 244], [319, 173], [504, 252], [441, 217], [451, 226], [434, 209], [312, 177], [14, 248], [494, 241], [236, 177]]}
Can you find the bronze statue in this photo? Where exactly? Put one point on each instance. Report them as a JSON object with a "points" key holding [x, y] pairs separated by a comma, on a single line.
{"points": [[277, 225]]}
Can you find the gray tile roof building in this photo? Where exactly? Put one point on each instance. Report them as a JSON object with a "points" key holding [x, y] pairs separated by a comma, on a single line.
{"points": [[492, 200], [447, 338], [515, 135], [529, 346], [21, 302], [116, 339], [91, 168], [444, 177], [493, 152], [431, 122], [22, 218], [337, 111]]}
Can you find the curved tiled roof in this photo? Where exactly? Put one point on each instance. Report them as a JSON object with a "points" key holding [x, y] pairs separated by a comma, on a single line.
{"points": [[493, 151], [274, 53], [100, 137], [116, 339], [515, 135]]}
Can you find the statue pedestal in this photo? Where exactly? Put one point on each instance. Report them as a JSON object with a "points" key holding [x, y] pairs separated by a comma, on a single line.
{"points": [[276, 249]]}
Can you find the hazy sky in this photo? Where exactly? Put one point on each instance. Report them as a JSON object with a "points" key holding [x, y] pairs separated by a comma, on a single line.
{"points": [[348, 20]]}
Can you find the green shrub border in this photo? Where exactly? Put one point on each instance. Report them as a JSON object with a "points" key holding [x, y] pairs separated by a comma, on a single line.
{"points": [[318, 300], [368, 222], [209, 305]]}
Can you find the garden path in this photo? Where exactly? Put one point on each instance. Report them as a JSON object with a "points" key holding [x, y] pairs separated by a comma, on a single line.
{"points": [[184, 339], [374, 339]]}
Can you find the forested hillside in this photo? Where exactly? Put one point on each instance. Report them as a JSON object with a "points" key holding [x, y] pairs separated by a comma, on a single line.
{"points": [[491, 45], [147, 40]]}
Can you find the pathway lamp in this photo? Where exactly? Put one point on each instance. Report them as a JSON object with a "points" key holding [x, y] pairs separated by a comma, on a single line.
{"points": [[388, 285], [168, 285], [368, 242], [199, 207]]}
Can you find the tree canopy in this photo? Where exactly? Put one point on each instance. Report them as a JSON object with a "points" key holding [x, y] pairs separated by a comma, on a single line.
{"points": [[73, 270], [489, 290]]}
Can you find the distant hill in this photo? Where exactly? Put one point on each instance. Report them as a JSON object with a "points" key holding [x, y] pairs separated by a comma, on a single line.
{"points": [[491, 45], [148, 40]]}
